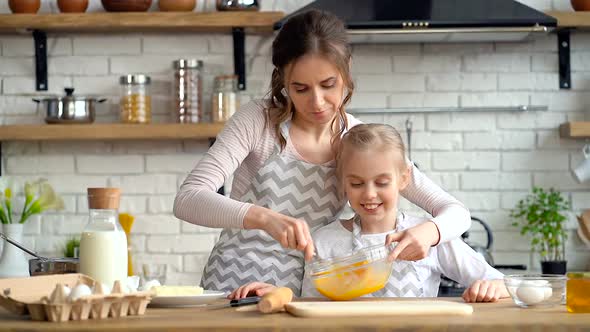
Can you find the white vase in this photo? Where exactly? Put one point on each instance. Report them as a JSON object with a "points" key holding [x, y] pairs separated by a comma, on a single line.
{"points": [[13, 262]]}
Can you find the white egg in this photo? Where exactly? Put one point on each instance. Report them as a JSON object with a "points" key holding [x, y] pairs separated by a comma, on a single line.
{"points": [[548, 291], [132, 284], [149, 284], [530, 294], [79, 291], [67, 291]]}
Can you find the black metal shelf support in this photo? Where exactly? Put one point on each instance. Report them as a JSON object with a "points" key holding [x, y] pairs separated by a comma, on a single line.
{"points": [[1, 160], [40, 38], [563, 47], [240, 56]]}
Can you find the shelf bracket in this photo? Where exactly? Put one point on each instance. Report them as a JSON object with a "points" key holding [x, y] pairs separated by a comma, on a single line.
{"points": [[1, 159], [40, 59], [563, 46], [239, 56]]}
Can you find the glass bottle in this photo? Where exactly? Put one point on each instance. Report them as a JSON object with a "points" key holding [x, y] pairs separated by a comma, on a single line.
{"points": [[225, 99], [136, 101], [187, 90], [103, 244]]}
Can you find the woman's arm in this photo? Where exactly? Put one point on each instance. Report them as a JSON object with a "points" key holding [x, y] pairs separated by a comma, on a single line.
{"points": [[450, 216], [197, 201]]}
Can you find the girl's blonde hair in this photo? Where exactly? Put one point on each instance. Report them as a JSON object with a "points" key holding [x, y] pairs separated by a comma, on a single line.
{"points": [[311, 32], [372, 136]]}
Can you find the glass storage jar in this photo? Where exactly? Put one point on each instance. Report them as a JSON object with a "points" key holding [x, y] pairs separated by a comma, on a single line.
{"points": [[225, 99], [136, 101], [103, 244], [578, 292], [187, 90]]}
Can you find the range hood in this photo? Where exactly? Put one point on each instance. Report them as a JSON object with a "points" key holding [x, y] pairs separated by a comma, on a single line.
{"points": [[395, 21]]}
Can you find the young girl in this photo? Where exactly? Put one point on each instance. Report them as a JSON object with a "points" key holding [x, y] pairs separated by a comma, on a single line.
{"points": [[372, 170], [281, 153]]}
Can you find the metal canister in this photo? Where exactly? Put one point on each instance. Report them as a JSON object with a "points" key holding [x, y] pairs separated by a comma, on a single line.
{"points": [[187, 91], [225, 99], [136, 100]]}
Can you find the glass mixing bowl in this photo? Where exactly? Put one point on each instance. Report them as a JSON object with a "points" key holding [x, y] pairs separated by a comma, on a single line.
{"points": [[347, 277], [536, 290]]}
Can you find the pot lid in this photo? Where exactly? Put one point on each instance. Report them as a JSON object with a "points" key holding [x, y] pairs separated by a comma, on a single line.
{"points": [[69, 96], [134, 79]]}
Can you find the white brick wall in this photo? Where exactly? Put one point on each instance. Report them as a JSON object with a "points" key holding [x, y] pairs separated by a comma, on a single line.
{"points": [[488, 160]]}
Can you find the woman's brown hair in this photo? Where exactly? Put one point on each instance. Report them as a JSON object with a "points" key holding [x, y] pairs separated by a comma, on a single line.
{"points": [[311, 32]]}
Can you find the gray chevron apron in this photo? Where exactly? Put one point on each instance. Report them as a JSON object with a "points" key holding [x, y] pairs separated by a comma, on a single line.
{"points": [[404, 280], [283, 184]]}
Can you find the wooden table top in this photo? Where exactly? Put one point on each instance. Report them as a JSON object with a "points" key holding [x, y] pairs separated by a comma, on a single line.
{"points": [[501, 316]]}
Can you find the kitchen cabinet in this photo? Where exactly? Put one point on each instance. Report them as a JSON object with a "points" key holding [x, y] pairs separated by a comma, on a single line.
{"points": [[502, 316]]}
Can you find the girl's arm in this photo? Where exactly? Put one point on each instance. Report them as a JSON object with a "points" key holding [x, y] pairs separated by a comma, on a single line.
{"points": [[450, 216], [459, 262]]}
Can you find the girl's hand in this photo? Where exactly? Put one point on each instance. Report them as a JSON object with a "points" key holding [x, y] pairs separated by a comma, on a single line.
{"points": [[413, 243], [485, 291], [289, 232], [251, 289]]}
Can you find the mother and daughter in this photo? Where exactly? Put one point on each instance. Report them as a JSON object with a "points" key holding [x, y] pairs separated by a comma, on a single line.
{"points": [[297, 158]]}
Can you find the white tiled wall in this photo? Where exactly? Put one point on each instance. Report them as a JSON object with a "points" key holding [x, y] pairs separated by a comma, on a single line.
{"points": [[487, 160]]}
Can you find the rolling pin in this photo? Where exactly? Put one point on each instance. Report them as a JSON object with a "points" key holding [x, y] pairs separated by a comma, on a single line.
{"points": [[275, 300]]}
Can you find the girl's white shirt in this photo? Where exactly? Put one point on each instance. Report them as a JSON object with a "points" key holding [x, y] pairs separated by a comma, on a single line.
{"points": [[455, 259]]}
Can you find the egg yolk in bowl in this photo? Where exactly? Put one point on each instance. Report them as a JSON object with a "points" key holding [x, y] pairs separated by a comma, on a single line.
{"points": [[346, 282]]}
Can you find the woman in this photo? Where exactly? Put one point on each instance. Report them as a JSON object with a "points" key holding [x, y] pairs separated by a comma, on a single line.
{"points": [[282, 151]]}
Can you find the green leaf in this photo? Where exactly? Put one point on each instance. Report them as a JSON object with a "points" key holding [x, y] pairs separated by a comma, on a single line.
{"points": [[542, 215]]}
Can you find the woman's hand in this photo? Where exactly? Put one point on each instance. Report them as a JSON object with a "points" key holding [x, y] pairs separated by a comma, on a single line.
{"points": [[413, 243], [289, 232], [485, 291], [251, 289]]}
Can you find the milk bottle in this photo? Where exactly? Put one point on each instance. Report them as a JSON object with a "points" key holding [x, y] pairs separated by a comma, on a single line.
{"points": [[103, 245]]}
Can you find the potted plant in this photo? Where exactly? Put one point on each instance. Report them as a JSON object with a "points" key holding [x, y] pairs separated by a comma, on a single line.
{"points": [[71, 248], [39, 196], [542, 216]]}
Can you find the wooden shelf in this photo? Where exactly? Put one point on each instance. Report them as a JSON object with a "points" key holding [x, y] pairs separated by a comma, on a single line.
{"points": [[571, 19], [156, 21], [109, 131], [579, 129]]}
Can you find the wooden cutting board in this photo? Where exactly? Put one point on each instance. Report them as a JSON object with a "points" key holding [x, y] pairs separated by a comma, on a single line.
{"points": [[377, 308]]}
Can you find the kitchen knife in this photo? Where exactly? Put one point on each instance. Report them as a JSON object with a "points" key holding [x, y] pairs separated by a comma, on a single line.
{"points": [[236, 303]]}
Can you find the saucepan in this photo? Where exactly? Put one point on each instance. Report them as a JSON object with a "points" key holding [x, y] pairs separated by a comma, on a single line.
{"points": [[69, 108], [43, 265]]}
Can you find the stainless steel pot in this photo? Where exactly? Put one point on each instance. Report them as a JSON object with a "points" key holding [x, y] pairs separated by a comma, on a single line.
{"points": [[38, 266], [42, 265], [237, 5], [69, 108]]}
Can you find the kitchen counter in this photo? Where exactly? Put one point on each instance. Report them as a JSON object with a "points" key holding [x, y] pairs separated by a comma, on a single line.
{"points": [[501, 316]]}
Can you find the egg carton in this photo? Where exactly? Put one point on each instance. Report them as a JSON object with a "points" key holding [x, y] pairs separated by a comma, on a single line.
{"points": [[57, 307]]}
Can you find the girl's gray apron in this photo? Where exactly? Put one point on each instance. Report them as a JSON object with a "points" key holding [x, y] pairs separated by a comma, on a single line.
{"points": [[286, 185], [404, 280]]}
